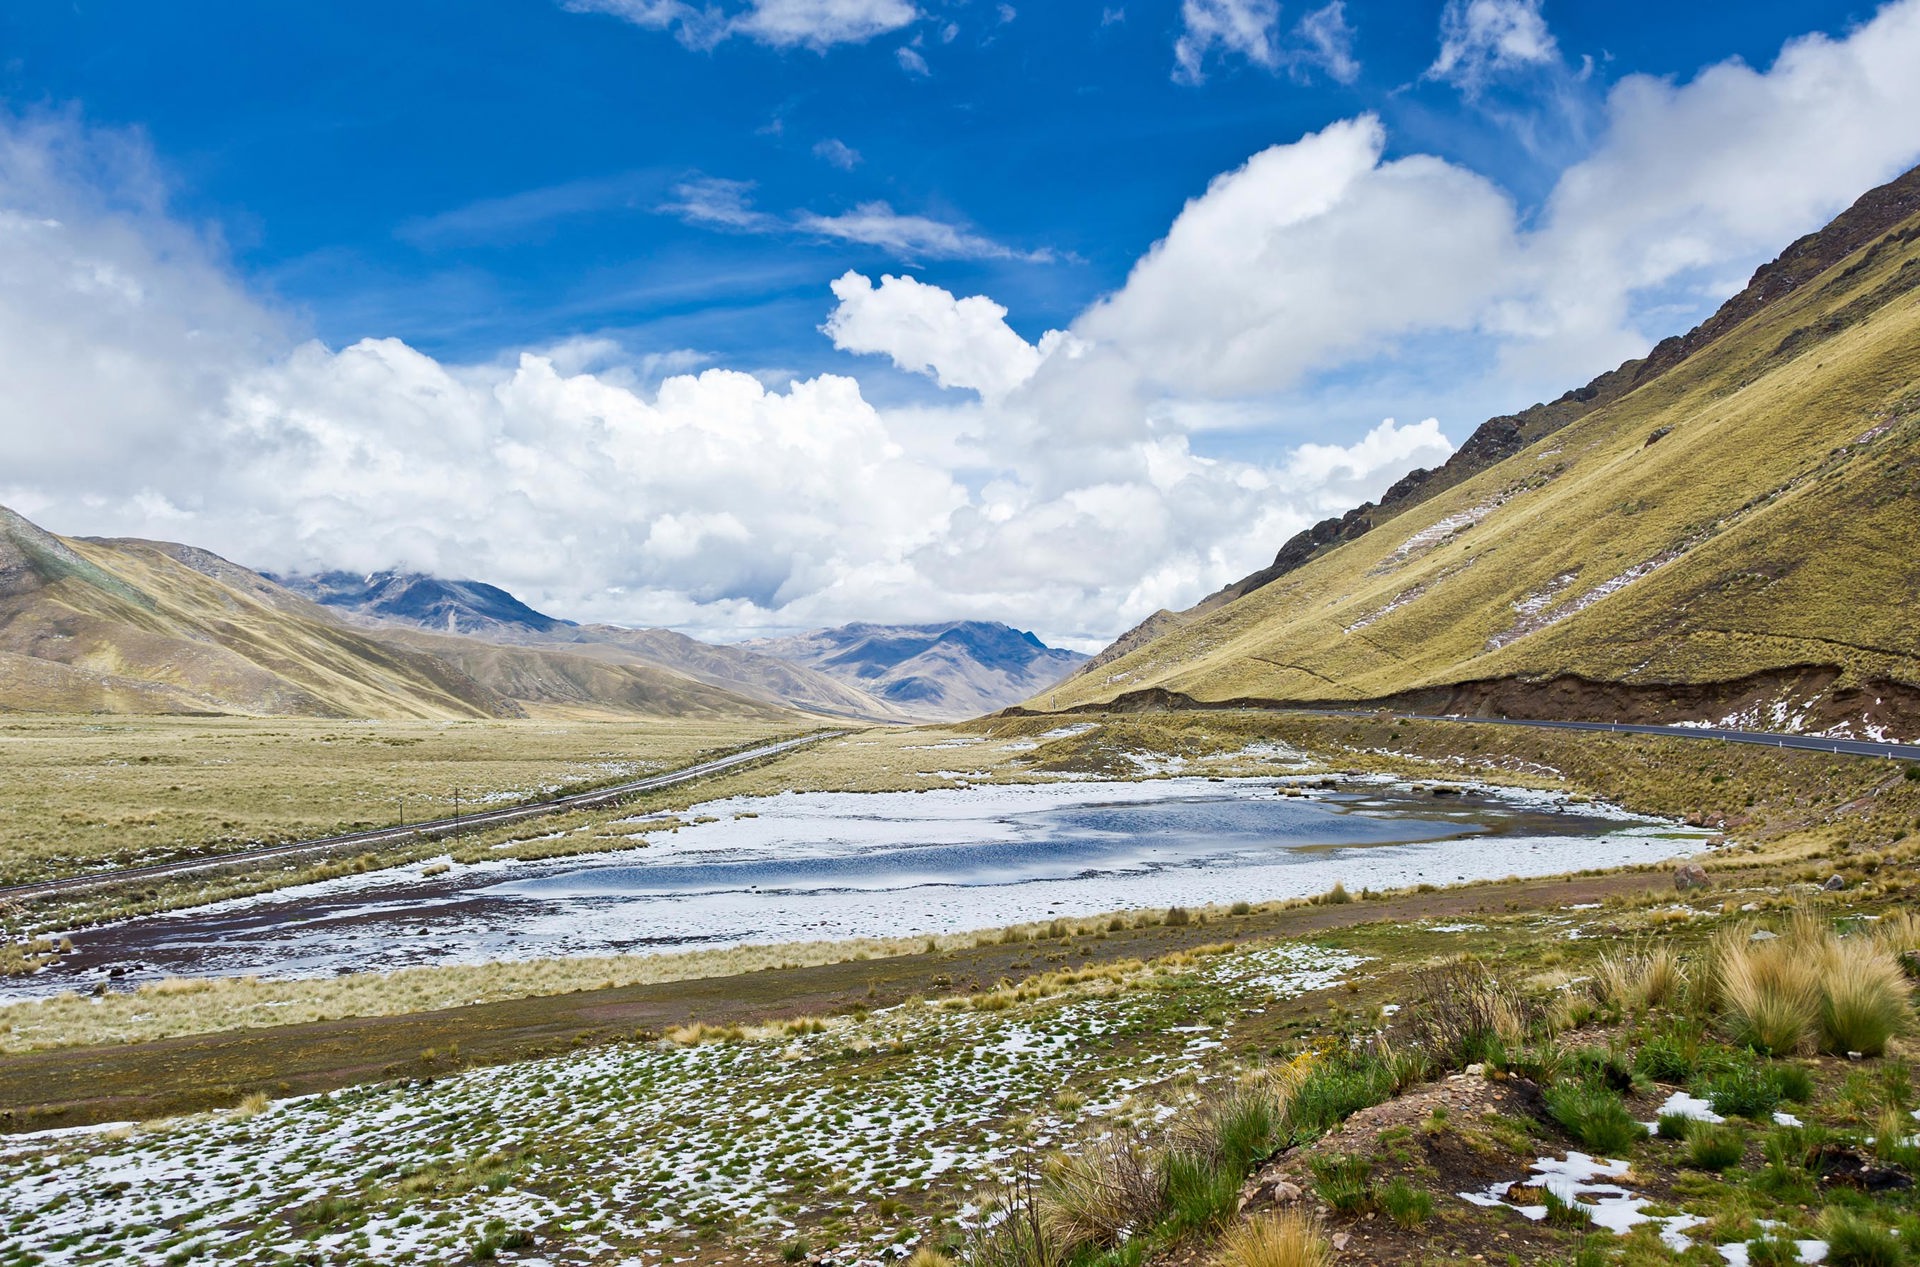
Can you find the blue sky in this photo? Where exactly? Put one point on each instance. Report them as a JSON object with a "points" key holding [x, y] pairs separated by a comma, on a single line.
{"points": [[477, 177], [653, 191]]}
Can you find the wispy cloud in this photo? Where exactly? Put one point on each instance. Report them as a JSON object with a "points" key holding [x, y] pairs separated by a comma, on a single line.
{"points": [[1242, 27], [911, 237], [519, 216], [1481, 40], [837, 152], [814, 24], [715, 203], [1326, 43], [911, 61]]}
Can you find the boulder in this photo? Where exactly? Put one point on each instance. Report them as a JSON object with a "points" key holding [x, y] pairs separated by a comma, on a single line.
{"points": [[1690, 875], [1835, 883]]}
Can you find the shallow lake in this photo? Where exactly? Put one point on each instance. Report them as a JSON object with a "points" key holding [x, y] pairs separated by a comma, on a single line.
{"points": [[804, 866]]}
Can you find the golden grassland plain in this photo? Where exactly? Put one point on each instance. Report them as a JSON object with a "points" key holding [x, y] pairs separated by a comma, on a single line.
{"points": [[1748, 510], [81, 793], [1792, 818]]}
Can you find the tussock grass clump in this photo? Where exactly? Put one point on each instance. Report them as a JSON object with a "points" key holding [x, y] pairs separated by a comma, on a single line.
{"points": [[253, 1104], [700, 1032], [1564, 1213], [1345, 1183], [1812, 987], [1467, 1014], [1594, 1115], [1647, 976], [1198, 1192], [1097, 1196], [1770, 991], [1334, 1090], [1672, 1054], [1714, 1147], [1864, 997], [928, 1256], [1405, 1204], [1854, 1242], [1287, 1239]]}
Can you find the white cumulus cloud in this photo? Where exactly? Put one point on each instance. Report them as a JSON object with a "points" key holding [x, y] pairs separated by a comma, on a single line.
{"points": [[924, 329]]}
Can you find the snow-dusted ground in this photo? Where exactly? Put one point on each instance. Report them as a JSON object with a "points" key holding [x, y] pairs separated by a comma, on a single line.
{"points": [[624, 1153], [824, 865]]}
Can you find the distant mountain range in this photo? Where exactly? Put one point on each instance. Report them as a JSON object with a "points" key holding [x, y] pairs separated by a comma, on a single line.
{"points": [[1723, 530], [874, 672], [962, 668], [96, 625], [472, 608]]}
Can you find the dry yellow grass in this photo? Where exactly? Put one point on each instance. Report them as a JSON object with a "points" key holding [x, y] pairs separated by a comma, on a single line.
{"points": [[1645, 976], [205, 1005], [1810, 986], [1287, 1239], [86, 791]]}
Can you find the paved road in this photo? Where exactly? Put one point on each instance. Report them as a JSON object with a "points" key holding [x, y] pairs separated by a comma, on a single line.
{"points": [[1810, 743], [436, 827]]}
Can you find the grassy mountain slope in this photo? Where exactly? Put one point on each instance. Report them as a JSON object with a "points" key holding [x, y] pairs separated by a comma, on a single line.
{"points": [[129, 626], [1734, 533], [575, 682]]}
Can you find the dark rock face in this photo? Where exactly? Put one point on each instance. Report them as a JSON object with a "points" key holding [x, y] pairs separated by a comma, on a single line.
{"points": [[425, 601]]}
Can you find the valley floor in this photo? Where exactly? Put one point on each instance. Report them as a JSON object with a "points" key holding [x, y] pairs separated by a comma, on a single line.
{"points": [[857, 1104]]}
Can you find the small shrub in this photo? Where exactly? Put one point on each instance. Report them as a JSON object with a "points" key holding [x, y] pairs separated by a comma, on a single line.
{"points": [[1337, 895], [795, 1250], [1405, 1204], [1286, 1239], [1344, 1183], [1854, 1242], [1177, 916], [1595, 1116], [1714, 1146]]}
